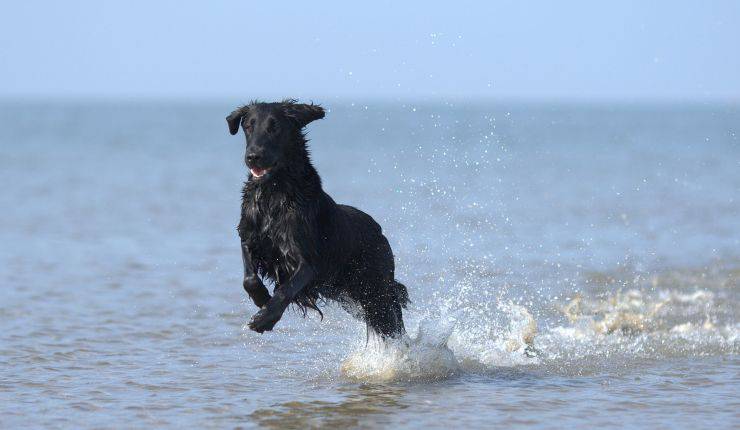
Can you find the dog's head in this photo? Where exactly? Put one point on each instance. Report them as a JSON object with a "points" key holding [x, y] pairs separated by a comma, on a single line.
{"points": [[273, 132]]}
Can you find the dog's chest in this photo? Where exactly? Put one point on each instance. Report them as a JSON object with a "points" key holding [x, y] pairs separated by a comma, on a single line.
{"points": [[267, 222]]}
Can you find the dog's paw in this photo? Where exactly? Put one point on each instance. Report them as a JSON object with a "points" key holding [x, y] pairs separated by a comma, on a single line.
{"points": [[264, 320], [256, 290]]}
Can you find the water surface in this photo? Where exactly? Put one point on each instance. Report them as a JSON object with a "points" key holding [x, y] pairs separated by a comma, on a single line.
{"points": [[568, 266]]}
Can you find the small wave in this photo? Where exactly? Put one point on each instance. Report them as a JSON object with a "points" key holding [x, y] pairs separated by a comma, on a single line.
{"points": [[634, 311]]}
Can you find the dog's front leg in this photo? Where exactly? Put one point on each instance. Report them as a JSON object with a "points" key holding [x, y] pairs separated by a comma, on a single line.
{"points": [[252, 283], [265, 319]]}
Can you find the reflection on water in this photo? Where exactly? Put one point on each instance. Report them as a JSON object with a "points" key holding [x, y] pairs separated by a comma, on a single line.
{"points": [[358, 406]]}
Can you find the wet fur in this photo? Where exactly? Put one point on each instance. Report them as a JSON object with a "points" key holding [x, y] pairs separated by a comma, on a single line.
{"points": [[312, 248]]}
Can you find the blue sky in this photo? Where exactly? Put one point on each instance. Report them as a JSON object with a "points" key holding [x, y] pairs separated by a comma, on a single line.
{"points": [[540, 50]]}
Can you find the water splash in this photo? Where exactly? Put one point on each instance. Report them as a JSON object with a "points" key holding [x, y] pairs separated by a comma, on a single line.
{"points": [[447, 346], [591, 334], [402, 360]]}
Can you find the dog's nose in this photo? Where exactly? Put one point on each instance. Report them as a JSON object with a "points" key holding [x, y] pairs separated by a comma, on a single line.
{"points": [[253, 158]]}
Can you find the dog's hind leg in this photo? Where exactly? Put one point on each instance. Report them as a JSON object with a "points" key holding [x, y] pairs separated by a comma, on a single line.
{"points": [[382, 310], [385, 319]]}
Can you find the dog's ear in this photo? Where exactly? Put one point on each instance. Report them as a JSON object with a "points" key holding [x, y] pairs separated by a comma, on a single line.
{"points": [[235, 118], [301, 113]]}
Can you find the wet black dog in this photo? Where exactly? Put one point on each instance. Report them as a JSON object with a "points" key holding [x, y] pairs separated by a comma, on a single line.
{"points": [[295, 235]]}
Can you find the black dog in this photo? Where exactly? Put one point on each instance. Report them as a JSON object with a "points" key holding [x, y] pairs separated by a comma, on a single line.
{"points": [[295, 235]]}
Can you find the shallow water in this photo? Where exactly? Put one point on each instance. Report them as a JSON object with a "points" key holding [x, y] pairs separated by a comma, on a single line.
{"points": [[568, 266]]}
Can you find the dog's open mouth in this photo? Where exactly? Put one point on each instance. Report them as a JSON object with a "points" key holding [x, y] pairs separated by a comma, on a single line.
{"points": [[258, 172]]}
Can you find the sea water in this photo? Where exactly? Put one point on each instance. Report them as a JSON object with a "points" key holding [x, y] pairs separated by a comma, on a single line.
{"points": [[568, 266]]}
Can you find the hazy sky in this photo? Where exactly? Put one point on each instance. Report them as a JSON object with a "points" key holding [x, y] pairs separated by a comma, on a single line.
{"points": [[489, 49]]}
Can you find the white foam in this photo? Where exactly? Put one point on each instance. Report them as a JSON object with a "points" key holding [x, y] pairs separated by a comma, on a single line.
{"points": [[405, 360], [444, 347]]}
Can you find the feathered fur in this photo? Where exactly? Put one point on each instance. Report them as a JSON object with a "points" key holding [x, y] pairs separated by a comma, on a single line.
{"points": [[289, 225]]}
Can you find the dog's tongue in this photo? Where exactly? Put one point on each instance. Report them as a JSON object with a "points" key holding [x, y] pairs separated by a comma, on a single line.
{"points": [[257, 172]]}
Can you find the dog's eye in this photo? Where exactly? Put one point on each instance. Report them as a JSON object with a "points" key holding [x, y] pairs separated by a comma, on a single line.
{"points": [[249, 126], [271, 127]]}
